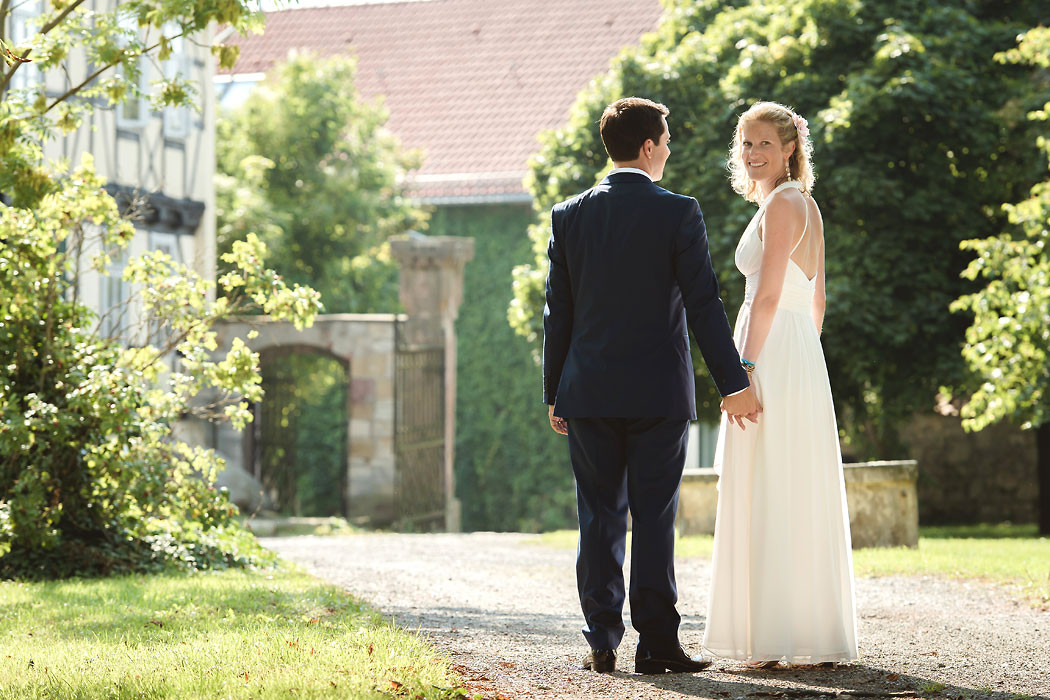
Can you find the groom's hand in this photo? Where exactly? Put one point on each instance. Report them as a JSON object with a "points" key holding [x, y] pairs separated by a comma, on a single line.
{"points": [[741, 406], [559, 425]]}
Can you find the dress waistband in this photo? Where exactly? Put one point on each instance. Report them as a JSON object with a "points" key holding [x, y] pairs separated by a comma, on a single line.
{"points": [[793, 297]]}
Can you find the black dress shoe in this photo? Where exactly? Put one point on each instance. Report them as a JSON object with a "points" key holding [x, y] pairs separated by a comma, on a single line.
{"points": [[674, 660], [600, 660]]}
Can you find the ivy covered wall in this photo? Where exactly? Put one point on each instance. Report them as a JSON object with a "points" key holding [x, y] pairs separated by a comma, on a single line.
{"points": [[512, 470]]}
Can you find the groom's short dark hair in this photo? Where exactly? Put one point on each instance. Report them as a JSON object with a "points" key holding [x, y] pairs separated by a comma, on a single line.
{"points": [[627, 123]]}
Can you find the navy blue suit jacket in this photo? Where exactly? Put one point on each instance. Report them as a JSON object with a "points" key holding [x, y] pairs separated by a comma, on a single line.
{"points": [[628, 264]]}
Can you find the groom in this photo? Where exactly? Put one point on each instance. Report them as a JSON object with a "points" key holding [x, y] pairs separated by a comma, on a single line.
{"points": [[628, 264]]}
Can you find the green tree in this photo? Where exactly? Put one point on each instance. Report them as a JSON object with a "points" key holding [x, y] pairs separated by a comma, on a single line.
{"points": [[917, 137], [308, 164], [91, 478], [1008, 344]]}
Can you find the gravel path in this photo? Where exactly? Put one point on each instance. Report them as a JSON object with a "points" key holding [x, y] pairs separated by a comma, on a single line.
{"points": [[503, 608]]}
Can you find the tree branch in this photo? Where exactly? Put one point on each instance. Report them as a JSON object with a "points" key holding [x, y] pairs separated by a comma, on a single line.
{"points": [[118, 311], [87, 81], [4, 9], [49, 332], [74, 90], [61, 17], [43, 32]]}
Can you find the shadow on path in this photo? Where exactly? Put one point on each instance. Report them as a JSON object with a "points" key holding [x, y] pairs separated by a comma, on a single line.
{"points": [[507, 616]]}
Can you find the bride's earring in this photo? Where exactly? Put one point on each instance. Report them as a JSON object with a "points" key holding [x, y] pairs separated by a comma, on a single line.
{"points": [[787, 169]]}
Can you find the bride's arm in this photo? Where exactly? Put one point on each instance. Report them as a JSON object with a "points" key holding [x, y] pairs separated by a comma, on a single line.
{"points": [[781, 222], [819, 300]]}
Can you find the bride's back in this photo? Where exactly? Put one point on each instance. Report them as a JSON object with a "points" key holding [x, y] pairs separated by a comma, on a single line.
{"points": [[810, 245]]}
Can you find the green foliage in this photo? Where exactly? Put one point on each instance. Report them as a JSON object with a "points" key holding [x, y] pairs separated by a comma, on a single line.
{"points": [[1008, 344], [100, 53], [91, 480], [917, 134], [308, 165], [321, 438], [306, 459], [512, 470]]}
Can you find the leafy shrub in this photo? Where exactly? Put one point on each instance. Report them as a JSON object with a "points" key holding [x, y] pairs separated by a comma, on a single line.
{"points": [[92, 480]]}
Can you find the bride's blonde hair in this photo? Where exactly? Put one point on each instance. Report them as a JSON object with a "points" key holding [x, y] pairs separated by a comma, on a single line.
{"points": [[784, 119]]}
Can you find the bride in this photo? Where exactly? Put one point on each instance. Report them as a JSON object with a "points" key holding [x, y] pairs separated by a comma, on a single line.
{"points": [[782, 578]]}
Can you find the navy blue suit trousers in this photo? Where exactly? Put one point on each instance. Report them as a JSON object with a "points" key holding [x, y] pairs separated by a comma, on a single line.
{"points": [[625, 464]]}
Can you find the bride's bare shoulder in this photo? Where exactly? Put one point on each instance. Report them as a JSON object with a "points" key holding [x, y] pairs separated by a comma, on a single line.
{"points": [[786, 208]]}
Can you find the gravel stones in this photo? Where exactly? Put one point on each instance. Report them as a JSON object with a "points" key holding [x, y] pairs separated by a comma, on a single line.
{"points": [[503, 608]]}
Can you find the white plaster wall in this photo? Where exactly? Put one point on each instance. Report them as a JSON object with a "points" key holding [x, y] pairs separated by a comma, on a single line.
{"points": [[144, 157]]}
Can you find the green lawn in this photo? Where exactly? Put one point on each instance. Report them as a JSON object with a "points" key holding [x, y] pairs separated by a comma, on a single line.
{"points": [[232, 634], [1011, 554]]}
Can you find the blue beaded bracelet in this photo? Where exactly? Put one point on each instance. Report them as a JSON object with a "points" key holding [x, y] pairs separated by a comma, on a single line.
{"points": [[747, 365]]}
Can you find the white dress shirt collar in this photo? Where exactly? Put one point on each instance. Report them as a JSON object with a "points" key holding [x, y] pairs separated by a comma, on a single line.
{"points": [[638, 171]]}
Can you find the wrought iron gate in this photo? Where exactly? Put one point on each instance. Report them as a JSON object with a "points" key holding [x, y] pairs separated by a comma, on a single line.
{"points": [[273, 446], [419, 434], [300, 475]]}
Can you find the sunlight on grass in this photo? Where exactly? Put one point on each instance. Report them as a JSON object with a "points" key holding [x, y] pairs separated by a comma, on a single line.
{"points": [[232, 634], [980, 531], [1006, 553]]}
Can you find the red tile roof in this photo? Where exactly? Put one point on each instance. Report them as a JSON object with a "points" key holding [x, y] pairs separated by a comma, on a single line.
{"points": [[469, 82]]}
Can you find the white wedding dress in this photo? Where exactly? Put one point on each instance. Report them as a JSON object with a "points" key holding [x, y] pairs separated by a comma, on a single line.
{"points": [[782, 578]]}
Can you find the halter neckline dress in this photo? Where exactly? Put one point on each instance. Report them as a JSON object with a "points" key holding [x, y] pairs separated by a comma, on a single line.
{"points": [[782, 572]]}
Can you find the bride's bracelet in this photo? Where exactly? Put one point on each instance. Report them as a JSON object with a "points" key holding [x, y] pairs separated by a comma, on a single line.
{"points": [[748, 366]]}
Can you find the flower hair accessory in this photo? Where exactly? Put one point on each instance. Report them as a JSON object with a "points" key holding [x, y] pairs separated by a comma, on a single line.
{"points": [[801, 125]]}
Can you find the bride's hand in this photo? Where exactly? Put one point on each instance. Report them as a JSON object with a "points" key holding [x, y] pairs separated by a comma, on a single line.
{"points": [[743, 405], [733, 419]]}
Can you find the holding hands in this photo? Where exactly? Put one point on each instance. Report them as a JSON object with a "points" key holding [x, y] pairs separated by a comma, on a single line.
{"points": [[738, 407], [741, 406]]}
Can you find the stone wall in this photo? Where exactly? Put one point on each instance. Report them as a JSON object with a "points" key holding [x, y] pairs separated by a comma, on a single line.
{"points": [[988, 476], [431, 290], [881, 498], [883, 503], [365, 342]]}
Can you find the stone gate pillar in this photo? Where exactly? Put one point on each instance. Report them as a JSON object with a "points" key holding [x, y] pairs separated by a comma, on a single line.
{"points": [[431, 292]]}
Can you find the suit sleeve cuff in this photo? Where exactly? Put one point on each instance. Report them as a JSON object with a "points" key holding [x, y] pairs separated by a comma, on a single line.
{"points": [[736, 381]]}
